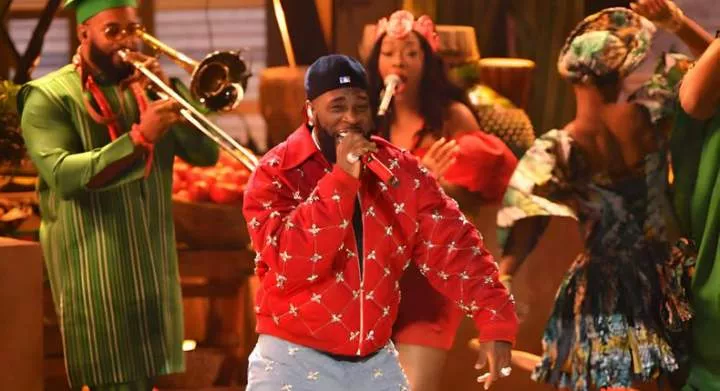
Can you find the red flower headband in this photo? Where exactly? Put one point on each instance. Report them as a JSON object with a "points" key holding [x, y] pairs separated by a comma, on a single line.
{"points": [[401, 23]]}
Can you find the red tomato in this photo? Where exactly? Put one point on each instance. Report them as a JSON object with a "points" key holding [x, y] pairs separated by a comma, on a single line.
{"points": [[178, 184], [226, 193], [182, 195], [195, 174], [226, 159], [199, 191]]}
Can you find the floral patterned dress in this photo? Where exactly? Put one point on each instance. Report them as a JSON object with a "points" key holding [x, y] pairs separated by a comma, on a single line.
{"points": [[621, 312]]}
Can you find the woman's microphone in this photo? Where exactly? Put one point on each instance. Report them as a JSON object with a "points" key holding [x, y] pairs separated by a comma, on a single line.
{"points": [[369, 160], [391, 82]]}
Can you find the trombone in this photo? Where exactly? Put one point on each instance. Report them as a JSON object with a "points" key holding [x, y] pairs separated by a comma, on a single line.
{"points": [[218, 82]]}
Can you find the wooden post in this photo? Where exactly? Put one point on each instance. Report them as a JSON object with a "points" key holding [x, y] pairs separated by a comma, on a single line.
{"points": [[306, 33], [7, 49], [325, 14], [27, 62], [73, 42], [284, 33]]}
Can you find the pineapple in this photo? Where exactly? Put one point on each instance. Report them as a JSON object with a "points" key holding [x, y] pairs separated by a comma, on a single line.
{"points": [[498, 116]]}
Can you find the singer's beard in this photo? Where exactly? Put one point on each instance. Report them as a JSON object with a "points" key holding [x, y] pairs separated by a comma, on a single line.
{"points": [[328, 139], [328, 145]]}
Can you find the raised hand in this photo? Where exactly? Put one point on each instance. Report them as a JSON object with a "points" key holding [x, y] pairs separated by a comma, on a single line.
{"points": [[158, 118], [440, 157], [350, 148]]}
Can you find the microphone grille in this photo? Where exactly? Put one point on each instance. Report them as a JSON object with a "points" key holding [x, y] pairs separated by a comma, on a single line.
{"points": [[392, 78]]}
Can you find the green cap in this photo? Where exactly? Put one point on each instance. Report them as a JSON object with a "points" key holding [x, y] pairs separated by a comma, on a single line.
{"points": [[86, 9]]}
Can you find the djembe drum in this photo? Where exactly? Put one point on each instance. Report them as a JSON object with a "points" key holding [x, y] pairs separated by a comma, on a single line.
{"points": [[498, 89], [282, 96], [511, 77]]}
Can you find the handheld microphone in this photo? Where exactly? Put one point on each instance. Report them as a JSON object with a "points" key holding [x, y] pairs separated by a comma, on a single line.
{"points": [[383, 173], [372, 163], [391, 82]]}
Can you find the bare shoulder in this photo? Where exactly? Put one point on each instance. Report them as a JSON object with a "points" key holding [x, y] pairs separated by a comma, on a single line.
{"points": [[460, 118]]}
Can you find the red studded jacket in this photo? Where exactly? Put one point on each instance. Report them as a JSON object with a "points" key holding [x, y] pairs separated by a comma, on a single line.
{"points": [[313, 290]]}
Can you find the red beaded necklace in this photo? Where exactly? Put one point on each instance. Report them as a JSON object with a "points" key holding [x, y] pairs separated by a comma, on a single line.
{"points": [[107, 116]]}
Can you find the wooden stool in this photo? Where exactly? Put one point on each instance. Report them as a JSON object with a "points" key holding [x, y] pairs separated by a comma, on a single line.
{"points": [[216, 267], [21, 297], [222, 277]]}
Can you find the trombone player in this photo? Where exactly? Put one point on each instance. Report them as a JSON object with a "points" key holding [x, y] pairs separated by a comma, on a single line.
{"points": [[104, 152]]}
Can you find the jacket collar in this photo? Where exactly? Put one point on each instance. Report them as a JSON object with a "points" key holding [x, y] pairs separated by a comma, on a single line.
{"points": [[300, 146]]}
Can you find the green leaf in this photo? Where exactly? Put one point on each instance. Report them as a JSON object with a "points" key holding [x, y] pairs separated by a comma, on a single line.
{"points": [[8, 96]]}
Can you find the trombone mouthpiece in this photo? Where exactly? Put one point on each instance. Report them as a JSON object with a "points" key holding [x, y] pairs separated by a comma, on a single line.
{"points": [[123, 53]]}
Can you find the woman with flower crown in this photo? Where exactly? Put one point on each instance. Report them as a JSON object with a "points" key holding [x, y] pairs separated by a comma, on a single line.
{"points": [[621, 314], [432, 118]]}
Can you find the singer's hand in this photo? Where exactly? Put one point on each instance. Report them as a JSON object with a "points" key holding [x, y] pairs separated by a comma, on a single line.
{"points": [[440, 157], [495, 354], [356, 144]]}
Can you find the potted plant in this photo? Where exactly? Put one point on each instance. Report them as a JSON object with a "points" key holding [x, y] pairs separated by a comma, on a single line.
{"points": [[14, 208], [12, 149]]}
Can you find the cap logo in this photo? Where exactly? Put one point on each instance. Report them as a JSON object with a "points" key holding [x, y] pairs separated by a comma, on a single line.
{"points": [[344, 79]]}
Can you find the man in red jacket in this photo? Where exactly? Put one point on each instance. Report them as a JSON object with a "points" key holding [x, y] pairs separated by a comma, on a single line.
{"points": [[333, 241]]}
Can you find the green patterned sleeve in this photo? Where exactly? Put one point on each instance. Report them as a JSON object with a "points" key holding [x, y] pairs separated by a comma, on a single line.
{"points": [[541, 174], [55, 148], [659, 95]]}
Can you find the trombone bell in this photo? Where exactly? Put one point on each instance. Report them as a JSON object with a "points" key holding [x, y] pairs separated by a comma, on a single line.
{"points": [[219, 80], [197, 119]]}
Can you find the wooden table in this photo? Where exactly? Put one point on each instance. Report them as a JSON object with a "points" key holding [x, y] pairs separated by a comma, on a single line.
{"points": [[21, 304]]}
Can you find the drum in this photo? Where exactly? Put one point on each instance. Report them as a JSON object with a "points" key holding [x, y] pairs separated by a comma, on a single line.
{"points": [[511, 77], [282, 98], [458, 45]]}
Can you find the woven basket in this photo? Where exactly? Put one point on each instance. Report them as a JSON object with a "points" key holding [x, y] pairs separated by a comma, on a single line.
{"points": [[15, 210], [210, 226]]}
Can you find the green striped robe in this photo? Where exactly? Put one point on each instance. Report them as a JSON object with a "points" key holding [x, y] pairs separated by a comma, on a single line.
{"points": [[110, 252]]}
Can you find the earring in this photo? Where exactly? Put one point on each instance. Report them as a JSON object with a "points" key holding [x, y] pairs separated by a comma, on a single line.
{"points": [[309, 114], [76, 60]]}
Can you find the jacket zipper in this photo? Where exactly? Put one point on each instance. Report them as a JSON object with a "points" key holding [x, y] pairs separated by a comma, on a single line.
{"points": [[361, 273]]}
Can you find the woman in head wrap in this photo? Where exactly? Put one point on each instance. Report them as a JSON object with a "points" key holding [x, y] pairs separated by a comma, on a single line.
{"points": [[621, 311], [432, 118]]}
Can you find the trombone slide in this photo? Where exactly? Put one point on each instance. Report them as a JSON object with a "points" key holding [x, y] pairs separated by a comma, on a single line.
{"points": [[202, 123]]}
